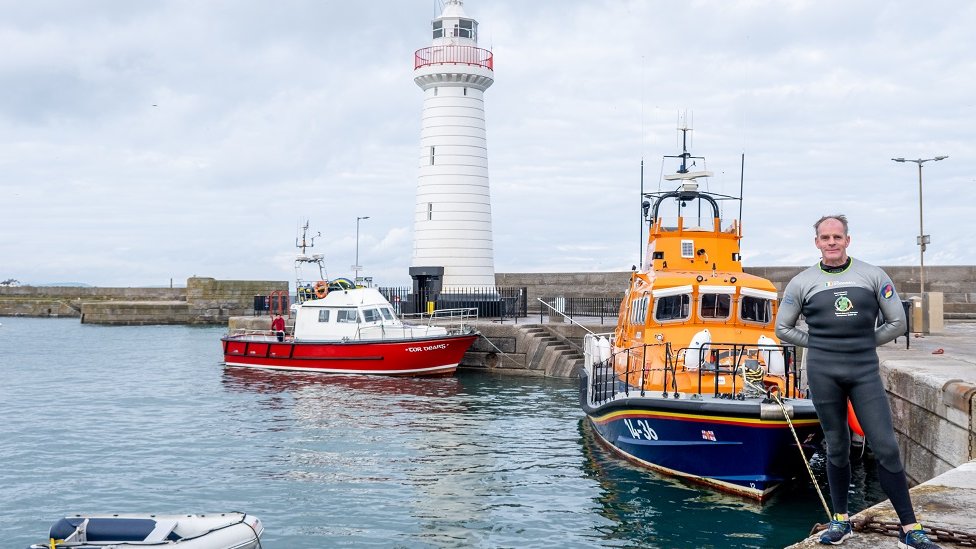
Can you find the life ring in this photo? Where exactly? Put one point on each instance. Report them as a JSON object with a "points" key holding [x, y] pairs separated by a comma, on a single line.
{"points": [[852, 421], [321, 289]]}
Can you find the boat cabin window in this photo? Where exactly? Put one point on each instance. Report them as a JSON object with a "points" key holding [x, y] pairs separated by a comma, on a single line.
{"points": [[324, 315], [716, 306], [638, 310], [347, 315], [672, 307], [388, 313], [371, 315], [756, 309]]}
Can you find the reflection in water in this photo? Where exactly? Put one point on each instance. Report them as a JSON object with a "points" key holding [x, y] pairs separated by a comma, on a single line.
{"points": [[661, 511], [477, 460], [236, 378], [658, 511]]}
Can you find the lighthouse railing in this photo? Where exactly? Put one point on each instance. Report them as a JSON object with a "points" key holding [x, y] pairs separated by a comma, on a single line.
{"points": [[461, 55]]}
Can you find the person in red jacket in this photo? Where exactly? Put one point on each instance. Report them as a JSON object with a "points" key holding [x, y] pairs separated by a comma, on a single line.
{"points": [[278, 327]]}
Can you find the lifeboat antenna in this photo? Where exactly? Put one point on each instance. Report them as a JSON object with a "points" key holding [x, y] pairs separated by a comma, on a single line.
{"points": [[742, 173]]}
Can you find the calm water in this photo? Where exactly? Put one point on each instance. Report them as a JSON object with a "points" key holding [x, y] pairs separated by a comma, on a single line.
{"points": [[123, 419]]}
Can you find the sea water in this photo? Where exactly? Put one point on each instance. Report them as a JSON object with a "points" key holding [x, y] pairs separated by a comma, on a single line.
{"points": [[147, 419]]}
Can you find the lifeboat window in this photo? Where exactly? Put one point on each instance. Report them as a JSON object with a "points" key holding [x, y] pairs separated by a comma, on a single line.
{"points": [[372, 315], [687, 248], [756, 309], [672, 307], [347, 315], [716, 306], [638, 310], [324, 315], [388, 313]]}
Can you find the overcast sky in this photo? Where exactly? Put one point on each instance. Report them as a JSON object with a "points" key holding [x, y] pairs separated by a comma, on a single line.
{"points": [[147, 141]]}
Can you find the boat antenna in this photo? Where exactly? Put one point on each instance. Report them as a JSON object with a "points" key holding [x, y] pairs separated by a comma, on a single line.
{"points": [[643, 214], [306, 242], [742, 172]]}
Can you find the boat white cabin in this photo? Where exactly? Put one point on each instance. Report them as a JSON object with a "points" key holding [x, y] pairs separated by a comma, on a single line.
{"points": [[357, 314]]}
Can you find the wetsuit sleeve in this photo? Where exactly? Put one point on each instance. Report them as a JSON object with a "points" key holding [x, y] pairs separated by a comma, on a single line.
{"points": [[788, 314], [892, 312]]}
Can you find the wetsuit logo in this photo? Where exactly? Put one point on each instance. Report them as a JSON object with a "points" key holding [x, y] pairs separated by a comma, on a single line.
{"points": [[887, 291], [843, 304]]}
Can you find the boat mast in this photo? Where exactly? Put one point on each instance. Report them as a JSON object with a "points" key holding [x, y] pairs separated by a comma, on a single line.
{"points": [[306, 242]]}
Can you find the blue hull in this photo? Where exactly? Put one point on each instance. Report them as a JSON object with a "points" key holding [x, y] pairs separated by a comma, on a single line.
{"points": [[737, 446]]}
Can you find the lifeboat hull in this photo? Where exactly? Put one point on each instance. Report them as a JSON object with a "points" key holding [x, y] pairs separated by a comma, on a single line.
{"points": [[736, 446], [407, 357]]}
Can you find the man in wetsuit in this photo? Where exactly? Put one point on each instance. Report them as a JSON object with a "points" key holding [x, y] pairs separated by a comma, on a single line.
{"points": [[841, 299]]}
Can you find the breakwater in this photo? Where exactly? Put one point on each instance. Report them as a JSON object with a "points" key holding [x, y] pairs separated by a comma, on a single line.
{"points": [[209, 301], [204, 300], [956, 284]]}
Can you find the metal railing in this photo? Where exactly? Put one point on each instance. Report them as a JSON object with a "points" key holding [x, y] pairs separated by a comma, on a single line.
{"points": [[599, 307], [451, 317], [491, 302], [460, 55], [736, 360]]}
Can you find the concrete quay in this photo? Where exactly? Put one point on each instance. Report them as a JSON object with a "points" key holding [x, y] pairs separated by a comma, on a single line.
{"points": [[932, 388]]}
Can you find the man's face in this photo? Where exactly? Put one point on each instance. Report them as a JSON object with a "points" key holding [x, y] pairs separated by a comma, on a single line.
{"points": [[832, 242]]}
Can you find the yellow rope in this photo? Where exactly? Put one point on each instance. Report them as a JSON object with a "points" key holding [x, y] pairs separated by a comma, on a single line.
{"points": [[799, 447], [813, 479]]}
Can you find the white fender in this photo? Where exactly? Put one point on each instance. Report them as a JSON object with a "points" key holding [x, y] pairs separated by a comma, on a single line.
{"points": [[603, 349], [699, 345], [773, 355]]}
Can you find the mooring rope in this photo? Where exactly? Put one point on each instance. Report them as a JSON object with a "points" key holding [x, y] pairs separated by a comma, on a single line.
{"points": [[503, 353], [799, 447]]}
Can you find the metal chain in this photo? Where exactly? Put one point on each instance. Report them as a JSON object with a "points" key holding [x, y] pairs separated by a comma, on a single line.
{"points": [[870, 524]]}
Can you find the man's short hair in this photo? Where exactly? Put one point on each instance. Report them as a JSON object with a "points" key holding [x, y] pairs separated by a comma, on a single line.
{"points": [[839, 217]]}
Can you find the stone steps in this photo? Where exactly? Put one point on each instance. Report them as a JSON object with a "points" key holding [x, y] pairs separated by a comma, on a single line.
{"points": [[548, 353]]}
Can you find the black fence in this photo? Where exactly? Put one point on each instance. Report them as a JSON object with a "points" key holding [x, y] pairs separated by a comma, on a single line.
{"points": [[499, 302], [604, 308]]}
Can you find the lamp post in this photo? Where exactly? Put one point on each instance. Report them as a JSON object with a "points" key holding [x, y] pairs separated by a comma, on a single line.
{"points": [[923, 238], [356, 267]]}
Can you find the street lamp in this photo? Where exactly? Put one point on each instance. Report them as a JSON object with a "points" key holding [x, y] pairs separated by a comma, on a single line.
{"points": [[356, 267], [923, 238]]}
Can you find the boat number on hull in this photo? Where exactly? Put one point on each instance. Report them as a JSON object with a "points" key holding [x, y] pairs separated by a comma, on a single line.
{"points": [[427, 348], [640, 429]]}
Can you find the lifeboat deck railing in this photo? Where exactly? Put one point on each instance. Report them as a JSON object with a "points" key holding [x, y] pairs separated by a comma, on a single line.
{"points": [[626, 373]]}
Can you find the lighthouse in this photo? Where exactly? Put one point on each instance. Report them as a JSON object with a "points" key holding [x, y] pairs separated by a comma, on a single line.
{"points": [[452, 240]]}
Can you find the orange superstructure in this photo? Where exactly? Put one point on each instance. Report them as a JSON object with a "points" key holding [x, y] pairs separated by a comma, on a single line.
{"points": [[691, 309], [693, 382]]}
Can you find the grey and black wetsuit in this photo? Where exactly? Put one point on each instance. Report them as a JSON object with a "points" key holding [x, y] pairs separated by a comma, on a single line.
{"points": [[842, 307]]}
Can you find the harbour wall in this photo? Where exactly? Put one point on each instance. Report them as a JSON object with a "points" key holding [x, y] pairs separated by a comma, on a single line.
{"points": [[203, 301], [956, 283], [213, 301]]}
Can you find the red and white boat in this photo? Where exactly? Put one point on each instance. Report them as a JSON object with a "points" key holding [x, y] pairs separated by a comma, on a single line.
{"points": [[356, 331]]}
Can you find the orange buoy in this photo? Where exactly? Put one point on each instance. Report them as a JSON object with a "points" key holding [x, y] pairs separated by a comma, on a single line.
{"points": [[321, 289], [852, 421]]}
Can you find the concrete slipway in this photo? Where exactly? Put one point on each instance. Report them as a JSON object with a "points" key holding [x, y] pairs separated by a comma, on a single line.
{"points": [[931, 387]]}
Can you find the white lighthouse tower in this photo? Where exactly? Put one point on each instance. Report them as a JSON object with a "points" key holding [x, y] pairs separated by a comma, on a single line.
{"points": [[452, 220]]}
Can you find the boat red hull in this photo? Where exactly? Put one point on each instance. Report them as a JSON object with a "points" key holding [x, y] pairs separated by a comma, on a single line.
{"points": [[416, 357]]}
